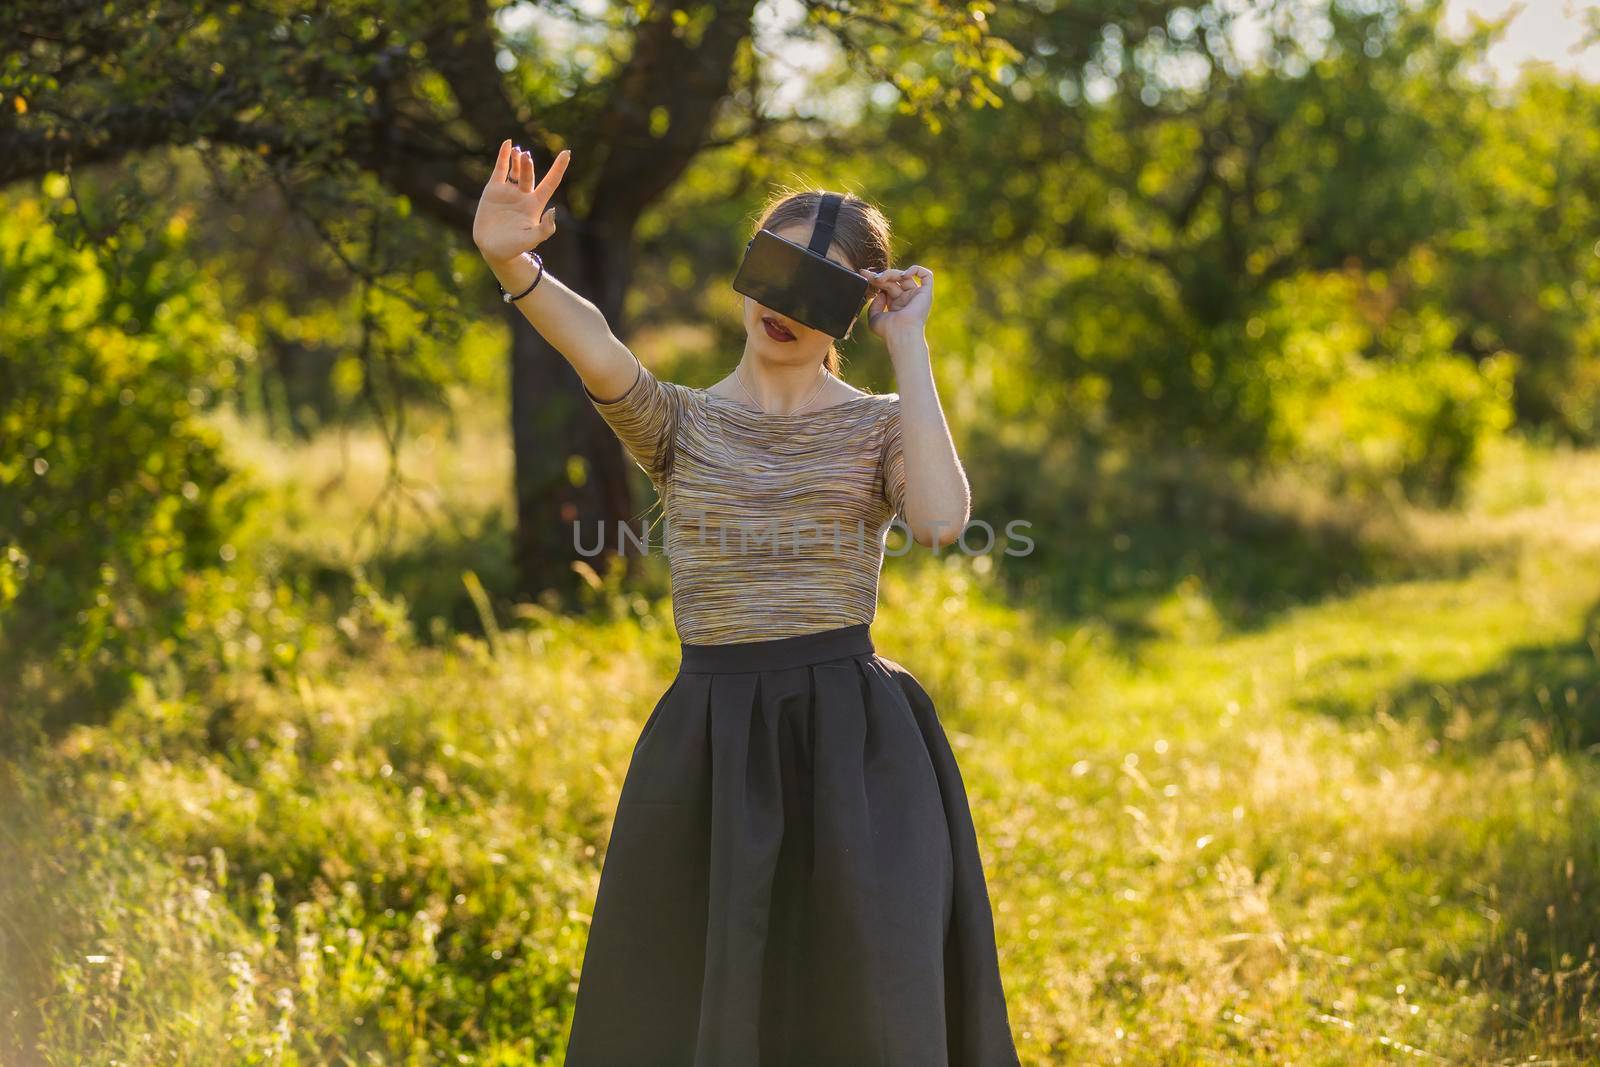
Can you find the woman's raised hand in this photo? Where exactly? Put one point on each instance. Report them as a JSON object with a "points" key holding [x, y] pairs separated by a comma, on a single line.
{"points": [[512, 216], [901, 300]]}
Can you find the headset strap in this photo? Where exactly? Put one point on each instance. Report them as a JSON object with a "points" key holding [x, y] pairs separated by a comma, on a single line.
{"points": [[827, 213]]}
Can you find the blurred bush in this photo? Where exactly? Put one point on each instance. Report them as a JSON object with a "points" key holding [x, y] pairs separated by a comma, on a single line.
{"points": [[1369, 396], [113, 494]]}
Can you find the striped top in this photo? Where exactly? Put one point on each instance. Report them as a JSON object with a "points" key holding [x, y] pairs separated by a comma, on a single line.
{"points": [[775, 523]]}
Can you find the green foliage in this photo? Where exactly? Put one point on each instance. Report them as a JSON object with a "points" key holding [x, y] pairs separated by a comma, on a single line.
{"points": [[113, 496], [360, 318], [1521, 269], [1372, 396]]}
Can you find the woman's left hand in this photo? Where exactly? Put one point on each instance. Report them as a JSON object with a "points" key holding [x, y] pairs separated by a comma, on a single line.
{"points": [[899, 304]]}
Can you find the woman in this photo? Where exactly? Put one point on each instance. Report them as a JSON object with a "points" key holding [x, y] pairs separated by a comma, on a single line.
{"points": [[793, 876]]}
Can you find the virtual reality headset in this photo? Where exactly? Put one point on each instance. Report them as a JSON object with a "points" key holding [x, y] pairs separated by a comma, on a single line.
{"points": [[800, 281]]}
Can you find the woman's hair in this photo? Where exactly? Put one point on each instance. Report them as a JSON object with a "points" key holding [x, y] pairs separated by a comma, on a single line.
{"points": [[861, 232]]}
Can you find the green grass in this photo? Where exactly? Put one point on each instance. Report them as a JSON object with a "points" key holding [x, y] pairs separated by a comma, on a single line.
{"points": [[1360, 827]]}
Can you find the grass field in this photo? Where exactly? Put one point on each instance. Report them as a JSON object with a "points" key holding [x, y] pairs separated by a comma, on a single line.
{"points": [[1357, 824]]}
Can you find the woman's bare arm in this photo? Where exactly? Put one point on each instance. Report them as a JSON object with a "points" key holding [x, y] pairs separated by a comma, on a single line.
{"points": [[512, 217], [573, 326], [938, 500]]}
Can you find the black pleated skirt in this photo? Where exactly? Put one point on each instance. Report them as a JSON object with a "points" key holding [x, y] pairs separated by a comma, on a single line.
{"points": [[793, 878]]}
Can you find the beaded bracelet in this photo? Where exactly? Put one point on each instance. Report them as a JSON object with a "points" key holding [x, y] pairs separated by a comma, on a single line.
{"points": [[537, 278]]}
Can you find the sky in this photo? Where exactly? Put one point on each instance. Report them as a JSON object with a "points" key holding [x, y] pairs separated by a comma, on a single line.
{"points": [[1543, 30]]}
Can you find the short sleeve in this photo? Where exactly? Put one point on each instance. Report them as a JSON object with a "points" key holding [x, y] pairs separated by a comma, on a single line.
{"points": [[645, 420], [892, 477]]}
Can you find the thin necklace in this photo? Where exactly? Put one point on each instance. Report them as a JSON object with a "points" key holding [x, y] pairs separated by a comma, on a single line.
{"points": [[815, 393]]}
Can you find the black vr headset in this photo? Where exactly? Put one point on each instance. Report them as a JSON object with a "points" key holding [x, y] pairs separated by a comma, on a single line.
{"points": [[801, 281]]}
